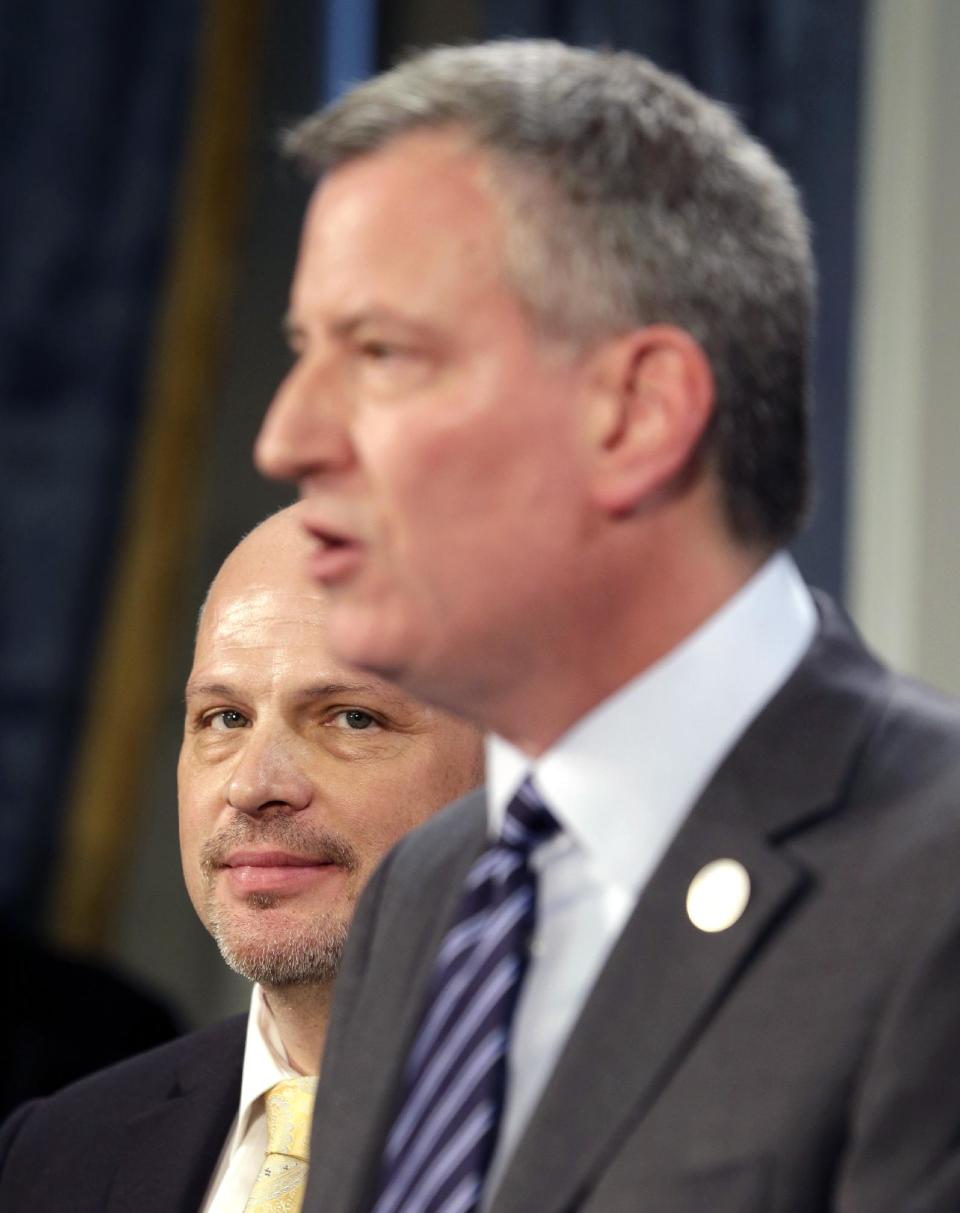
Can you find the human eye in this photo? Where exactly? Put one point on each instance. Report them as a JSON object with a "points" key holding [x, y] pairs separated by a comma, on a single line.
{"points": [[355, 720], [225, 719], [388, 358], [380, 350]]}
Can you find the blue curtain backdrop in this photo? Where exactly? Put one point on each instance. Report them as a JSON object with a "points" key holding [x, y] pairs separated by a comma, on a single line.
{"points": [[94, 98], [348, 45], [791, 69]]}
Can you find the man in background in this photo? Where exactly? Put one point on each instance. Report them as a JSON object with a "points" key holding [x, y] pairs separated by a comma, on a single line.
{"points": [[699, 945], [295, 776]]}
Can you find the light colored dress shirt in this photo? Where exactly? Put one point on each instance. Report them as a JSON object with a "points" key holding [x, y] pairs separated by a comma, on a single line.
{"points": [[264, 1064], [620, 783]]}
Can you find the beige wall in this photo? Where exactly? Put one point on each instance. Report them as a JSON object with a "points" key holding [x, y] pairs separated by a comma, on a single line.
{"points": [[905, 570]]}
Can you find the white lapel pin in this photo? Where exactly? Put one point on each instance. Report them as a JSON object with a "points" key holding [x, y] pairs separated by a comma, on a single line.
{"points": [[718, 895]]}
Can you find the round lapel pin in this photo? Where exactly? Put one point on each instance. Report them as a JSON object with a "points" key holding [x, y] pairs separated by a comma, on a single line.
{"points": [[718, 895]]}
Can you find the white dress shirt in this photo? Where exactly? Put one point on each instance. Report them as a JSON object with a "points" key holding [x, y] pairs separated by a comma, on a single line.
{"points": [[620, 783], [264, 1064]]}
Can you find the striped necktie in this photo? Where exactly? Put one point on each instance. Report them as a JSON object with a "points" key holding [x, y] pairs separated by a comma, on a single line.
{"points": [[441, 1142], [282, 1181]]}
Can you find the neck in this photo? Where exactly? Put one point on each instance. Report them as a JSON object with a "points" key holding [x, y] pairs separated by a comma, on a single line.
{"points": [[638, 610], [301, 1014]]}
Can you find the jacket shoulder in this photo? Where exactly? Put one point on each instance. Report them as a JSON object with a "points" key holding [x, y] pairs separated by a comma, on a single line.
{"points": [[90, 1106]]}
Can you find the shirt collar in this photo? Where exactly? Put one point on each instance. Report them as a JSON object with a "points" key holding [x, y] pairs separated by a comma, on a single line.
{"points": [[621, 780], [264, 1060]]}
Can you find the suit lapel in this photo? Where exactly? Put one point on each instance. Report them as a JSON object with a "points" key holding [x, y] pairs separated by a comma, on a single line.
{"points": [[665, 978], [171, 1149], [657, 992], [428, 897]]}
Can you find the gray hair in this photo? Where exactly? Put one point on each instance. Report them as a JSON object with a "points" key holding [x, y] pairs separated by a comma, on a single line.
{"points": [[631, 199]]}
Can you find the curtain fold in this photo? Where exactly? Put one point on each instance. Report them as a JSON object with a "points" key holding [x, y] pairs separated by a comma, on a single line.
{"points": [[348, 52]]}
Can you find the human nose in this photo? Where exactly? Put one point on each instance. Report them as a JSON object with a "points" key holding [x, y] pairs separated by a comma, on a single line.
{"points": [[303, 434], [269, 775]]}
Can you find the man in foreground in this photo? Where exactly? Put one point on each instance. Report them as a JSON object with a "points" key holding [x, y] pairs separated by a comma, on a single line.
{"points": [[295, 775], [699, 946]]}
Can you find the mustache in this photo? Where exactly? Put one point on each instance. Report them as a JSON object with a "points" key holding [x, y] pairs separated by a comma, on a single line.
{"points": [[286, 833]]}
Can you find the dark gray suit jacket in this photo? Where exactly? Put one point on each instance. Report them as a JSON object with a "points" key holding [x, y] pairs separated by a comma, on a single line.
{"points": [[140, 1137], [805, 1059]]}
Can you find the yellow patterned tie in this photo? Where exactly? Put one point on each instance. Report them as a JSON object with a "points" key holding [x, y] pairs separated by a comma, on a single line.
{"points": [[283, 1177]]}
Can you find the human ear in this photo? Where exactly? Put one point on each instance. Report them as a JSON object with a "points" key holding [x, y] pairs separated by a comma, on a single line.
{"points": [[652, 396]]}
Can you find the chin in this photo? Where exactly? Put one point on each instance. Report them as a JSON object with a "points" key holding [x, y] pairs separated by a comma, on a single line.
{"points": [[308, 954]]}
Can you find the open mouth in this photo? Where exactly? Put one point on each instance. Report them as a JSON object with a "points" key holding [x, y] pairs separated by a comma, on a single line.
{"points": [[334, 556], [331, 539]]}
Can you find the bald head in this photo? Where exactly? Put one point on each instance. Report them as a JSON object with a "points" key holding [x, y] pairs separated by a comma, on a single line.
{"points": [[296, 772], [275, 551]]}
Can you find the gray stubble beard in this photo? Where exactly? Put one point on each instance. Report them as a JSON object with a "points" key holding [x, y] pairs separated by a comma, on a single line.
{"points": [[307, 955]]}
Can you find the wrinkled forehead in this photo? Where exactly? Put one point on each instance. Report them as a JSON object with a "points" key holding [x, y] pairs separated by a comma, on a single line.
{"points": [[262, 616]]}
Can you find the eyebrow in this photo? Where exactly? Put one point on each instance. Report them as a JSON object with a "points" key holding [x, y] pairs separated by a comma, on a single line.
{"points": [[193, 689], [347, 325], [320, 690]]}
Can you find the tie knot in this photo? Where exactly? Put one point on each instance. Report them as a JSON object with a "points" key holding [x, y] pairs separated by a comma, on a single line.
{"points": [[289, 1109], [528, 821]]}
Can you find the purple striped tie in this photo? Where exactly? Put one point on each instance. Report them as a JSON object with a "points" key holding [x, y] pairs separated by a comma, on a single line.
{"points": [[442, 1140]]}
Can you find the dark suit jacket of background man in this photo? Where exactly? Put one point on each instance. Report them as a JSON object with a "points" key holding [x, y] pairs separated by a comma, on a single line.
{"points": [[805, 1059], [141, 1137], [72, 1015]]}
